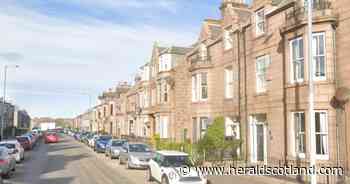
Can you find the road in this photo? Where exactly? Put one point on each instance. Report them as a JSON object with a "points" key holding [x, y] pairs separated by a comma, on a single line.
{"points": [[71, 162]]}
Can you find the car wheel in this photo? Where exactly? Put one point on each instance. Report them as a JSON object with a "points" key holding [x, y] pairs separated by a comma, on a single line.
{"points": [[127, 164], [164, 180], [149, 175], [120, 161]]}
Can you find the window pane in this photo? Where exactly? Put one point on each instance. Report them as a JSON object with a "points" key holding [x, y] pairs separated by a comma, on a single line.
{"points": [[321, 144]]}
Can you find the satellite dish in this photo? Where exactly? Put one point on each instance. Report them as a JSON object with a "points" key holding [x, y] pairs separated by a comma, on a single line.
{"points": [[340, 98]]}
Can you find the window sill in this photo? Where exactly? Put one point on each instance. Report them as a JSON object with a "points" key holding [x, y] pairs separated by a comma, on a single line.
{"points": [[264, 93], [260, 35], [322, 157], [305, 83], [228, 50]]}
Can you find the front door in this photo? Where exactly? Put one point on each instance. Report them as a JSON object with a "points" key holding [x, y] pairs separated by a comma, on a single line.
{"points": [[258, 138]]}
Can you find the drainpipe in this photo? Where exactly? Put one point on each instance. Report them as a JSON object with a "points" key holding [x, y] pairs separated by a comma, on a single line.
{"points": [[245, 89], [239, 80], [338, 111], [285, 114]]}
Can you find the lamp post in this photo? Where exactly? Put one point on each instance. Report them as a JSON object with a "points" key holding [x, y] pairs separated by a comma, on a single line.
{"points": [[4, 98]]}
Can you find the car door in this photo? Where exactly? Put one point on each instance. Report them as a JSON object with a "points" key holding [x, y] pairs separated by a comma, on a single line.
{"points": [[156, 167], [124, 153]]}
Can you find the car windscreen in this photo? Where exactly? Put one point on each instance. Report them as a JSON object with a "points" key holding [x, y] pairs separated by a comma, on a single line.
{"points": [[9, 146], [118, 143], [139, 148], [176, 161]]}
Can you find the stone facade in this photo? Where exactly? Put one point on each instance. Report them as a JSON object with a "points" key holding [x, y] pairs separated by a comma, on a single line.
{"points": [[250, 67]]}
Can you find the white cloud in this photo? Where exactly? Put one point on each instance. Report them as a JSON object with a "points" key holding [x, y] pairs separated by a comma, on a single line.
{"points": [[57, 54]]}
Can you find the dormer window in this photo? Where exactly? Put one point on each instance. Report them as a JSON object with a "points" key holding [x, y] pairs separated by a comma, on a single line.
{"points": [[164, 62], [260, 22], [203, 51], [227, 40]]}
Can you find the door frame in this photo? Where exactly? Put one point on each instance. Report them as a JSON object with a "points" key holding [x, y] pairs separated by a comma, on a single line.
{"points": [[253, 139]]}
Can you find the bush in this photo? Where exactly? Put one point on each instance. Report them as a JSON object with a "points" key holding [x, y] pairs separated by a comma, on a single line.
{"points": [[214, 144]]}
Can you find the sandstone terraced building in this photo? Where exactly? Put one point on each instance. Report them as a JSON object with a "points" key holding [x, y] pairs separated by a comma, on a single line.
{"points": [[250, 67]]}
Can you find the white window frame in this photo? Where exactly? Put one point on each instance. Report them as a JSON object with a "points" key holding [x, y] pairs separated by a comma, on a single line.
{"points": [[198, 87], [194, 88], [229, 82], [316, 54], [261, 73], [297, 133], [229, 130], [203, 87], [228, 42], [203, 51], [203, 124], [300, 60], [258, 21], [324, 133], [164, 127]]}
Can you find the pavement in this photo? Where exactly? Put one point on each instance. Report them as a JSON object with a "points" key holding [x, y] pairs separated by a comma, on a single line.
{"points": [[71, 162]]}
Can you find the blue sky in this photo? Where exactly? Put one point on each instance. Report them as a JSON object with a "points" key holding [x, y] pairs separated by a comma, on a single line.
{"points": [[67, 49]]}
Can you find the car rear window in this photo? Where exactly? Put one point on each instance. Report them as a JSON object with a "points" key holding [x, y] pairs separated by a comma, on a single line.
{"points": [[118, 143], [22, 139]]}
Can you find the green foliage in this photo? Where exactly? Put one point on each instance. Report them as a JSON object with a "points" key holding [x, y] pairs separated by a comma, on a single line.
{"points": [[211, 147], [214, 144]]}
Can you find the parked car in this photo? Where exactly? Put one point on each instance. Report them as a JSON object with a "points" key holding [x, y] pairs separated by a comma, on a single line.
{"points": [[166, 166], [14, 148], [92, 141], [135, 155], [25, 142], [100, 145], [114, 147], [51, 137], [7, 162]]}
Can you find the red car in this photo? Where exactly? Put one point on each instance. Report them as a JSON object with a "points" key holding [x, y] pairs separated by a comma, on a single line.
{"points": [[51, 137], [25, 142]]}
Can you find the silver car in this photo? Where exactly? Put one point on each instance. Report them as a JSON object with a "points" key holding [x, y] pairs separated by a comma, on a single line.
{"points": [[15, 149], [114, 147], [7, 162], [135, 155]]}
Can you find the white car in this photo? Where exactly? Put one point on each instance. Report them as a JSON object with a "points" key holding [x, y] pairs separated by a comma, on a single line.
{"points": [[91, 142], [173, 167], [15, 149]]}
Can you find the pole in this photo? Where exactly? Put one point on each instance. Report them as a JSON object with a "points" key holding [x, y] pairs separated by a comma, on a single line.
{"points": [[3, 102], [312, 138]]}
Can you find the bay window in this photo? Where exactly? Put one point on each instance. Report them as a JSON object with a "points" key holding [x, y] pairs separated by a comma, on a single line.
{"points": [[321, 133], [318, 53], [300, 137], [260, 22], [227, 40], [297, 60], [199, 87]]}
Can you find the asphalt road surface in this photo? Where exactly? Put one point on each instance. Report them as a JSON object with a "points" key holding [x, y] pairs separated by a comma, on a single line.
{"points": [[70, 162]]}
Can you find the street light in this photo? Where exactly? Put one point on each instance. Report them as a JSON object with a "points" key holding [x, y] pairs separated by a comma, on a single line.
{"points": [[4, 98]]}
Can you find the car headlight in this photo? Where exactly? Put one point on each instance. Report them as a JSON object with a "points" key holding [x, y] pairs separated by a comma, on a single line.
{"points": [[116, 151], [134, 160], [102, 145]]}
